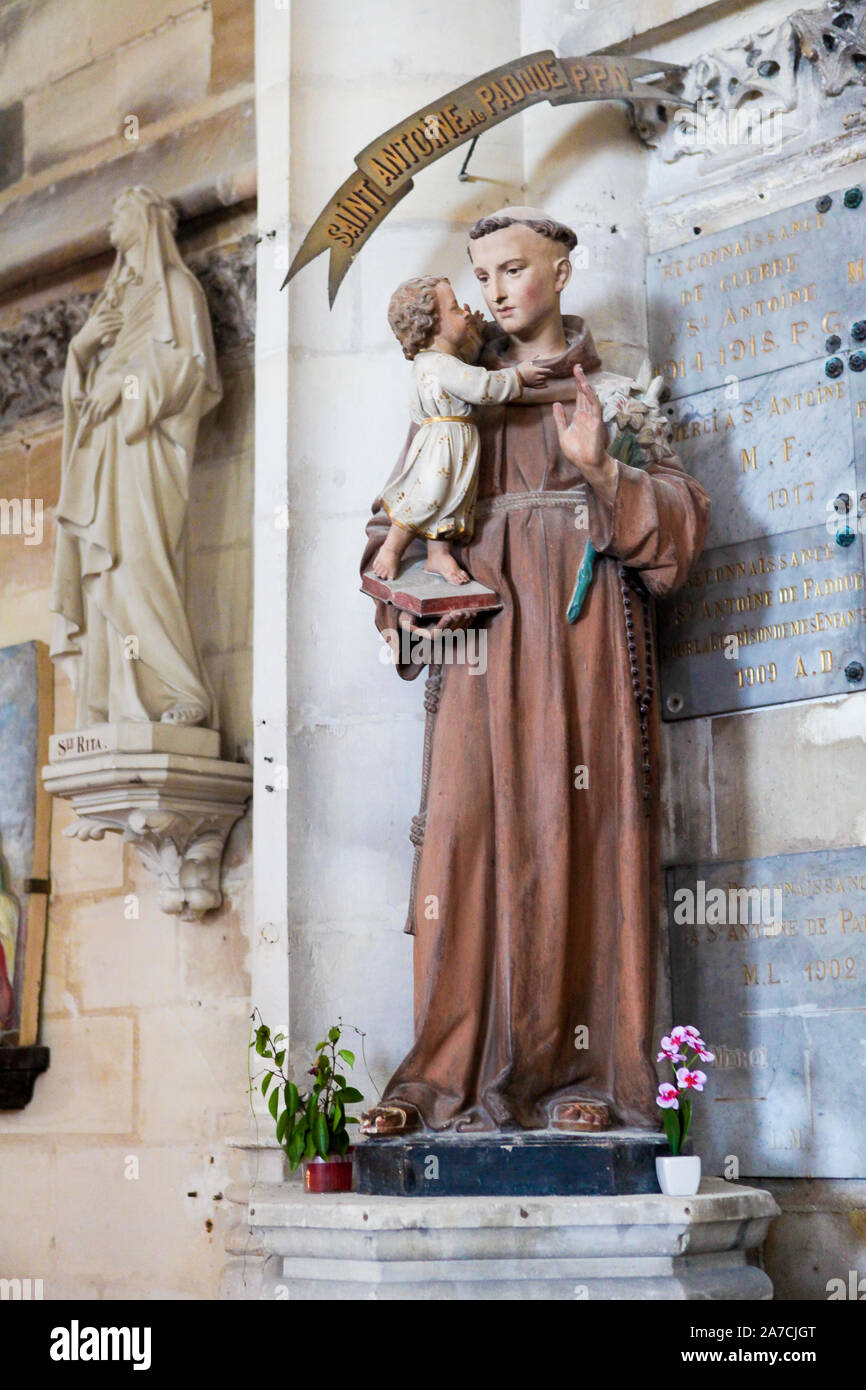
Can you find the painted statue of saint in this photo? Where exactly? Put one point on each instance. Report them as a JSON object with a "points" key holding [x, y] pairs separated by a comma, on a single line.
{"points": [[535, 966], [139, 376]]}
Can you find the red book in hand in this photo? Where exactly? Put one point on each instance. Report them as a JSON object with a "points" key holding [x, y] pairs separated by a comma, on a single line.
{"points": [[429, 595]]}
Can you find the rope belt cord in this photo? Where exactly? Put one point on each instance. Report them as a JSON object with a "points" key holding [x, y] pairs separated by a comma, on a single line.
{"points": [[448, 420], [524, 501]]}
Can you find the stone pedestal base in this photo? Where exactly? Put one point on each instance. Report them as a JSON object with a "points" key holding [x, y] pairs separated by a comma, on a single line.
{"points": [[626, 1247]]}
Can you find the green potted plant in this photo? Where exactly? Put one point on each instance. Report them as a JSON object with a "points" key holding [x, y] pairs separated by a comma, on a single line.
{"points": [[311, 1124]]}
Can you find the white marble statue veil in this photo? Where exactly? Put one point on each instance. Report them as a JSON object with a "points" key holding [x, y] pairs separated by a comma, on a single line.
{"points": [[119, 565], [159, 221]]}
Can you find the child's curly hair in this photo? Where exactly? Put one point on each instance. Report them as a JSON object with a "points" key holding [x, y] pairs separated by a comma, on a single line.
{"points": [[413, 313]]}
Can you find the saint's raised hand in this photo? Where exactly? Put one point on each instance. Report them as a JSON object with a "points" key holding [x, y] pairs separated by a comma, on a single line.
{"points": [[583, 440]]}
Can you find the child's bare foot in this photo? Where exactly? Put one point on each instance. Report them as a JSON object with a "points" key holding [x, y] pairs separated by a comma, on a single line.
{"points": [[386, 562], [441, 561]]}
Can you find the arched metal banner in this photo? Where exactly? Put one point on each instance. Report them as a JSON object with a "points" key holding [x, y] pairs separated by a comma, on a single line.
{"points": [[386, 167]]}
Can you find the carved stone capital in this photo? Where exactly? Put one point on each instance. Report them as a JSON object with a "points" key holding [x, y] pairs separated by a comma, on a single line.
{"points": [[176, 809]]}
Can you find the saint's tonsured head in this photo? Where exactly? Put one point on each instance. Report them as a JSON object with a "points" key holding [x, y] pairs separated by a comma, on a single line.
{"points": [[521, 261]]}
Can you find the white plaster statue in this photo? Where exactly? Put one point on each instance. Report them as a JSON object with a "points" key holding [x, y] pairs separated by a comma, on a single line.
{"points": [[139, 376]]}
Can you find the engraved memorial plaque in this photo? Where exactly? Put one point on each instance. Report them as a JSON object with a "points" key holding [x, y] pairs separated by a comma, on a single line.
{"points": [[789, 609], [761, 334], [772, 970], [771, 460], [761, 296]]}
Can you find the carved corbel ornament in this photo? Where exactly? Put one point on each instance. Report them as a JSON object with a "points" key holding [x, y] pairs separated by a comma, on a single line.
{"points": [[176, 810], [761, 74], [833, 40]]}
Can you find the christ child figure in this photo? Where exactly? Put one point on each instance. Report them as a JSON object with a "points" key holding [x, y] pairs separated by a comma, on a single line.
{"points": [[434, 494]]}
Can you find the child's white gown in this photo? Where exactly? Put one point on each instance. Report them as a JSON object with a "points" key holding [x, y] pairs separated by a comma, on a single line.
{"points": [[434, 495]]}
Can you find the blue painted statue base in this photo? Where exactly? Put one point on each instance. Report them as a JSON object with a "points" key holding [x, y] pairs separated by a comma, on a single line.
{"points": [[521, 1163]]}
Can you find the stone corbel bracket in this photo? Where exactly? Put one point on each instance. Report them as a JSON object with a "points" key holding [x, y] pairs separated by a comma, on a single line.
{"points": [[176, 809]]}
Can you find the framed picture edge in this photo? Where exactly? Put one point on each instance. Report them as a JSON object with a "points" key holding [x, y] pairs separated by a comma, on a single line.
{"points": [[37, 901]]}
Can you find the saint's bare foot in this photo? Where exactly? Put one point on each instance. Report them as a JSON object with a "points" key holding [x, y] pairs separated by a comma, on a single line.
{"points": [[581, 1116], [386, 562], [385, 1120], [447, 566], [183, 714]]}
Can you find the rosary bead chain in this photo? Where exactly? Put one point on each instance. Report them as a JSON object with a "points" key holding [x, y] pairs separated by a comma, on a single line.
{"points": [[643, 696]]}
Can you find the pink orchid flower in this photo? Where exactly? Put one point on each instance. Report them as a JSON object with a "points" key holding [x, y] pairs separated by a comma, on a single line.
{"points": [[667, 1096], [670, 1050], [703, 1052], [690, 1080]]}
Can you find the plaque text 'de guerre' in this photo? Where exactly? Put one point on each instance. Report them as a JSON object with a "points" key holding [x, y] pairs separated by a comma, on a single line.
{"points": [[760, 333], [777, 987]]}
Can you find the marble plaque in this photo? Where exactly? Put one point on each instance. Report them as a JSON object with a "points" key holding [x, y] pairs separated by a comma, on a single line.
{"points": [[781, 618], [761, 335], [775, 459], [763, 295], [777, 986]]}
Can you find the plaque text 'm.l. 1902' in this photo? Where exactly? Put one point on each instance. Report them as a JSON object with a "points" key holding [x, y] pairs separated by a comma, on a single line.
{"points": [[768, 960]]}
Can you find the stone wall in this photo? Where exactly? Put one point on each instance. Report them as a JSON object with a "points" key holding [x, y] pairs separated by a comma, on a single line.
{"points": [[113, 1181]]}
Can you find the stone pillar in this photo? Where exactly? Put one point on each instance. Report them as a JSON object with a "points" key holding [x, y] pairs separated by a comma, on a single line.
{"points": [[270, 992], [246, 1275]]}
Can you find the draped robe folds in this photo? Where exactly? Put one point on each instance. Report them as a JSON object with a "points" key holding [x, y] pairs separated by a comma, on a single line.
{"points": [[119, 564], [537, 899]]}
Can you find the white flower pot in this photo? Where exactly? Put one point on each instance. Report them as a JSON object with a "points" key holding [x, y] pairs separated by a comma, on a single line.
{"points": [[679, 1177]]}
